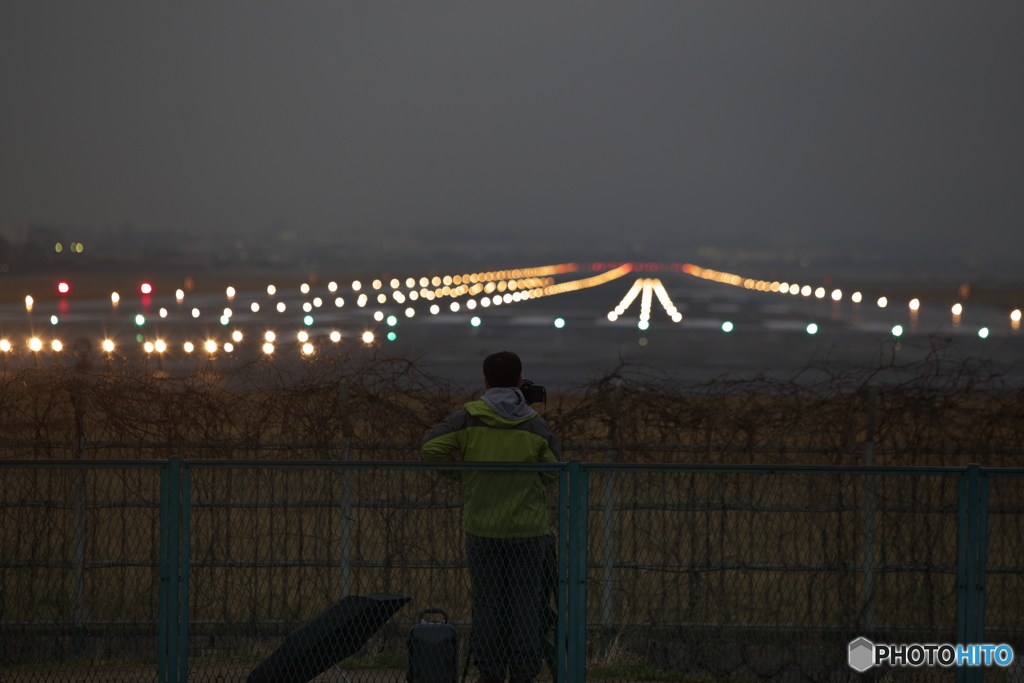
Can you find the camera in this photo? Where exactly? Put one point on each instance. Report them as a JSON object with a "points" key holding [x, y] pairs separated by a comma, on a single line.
{"points": [[533, 393]]}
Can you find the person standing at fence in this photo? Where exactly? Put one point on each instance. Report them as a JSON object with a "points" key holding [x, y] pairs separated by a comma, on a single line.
{"points": [[508, 535]]}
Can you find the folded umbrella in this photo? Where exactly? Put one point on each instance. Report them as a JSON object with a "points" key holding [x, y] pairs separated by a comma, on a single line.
{"points": [[326, 638]]}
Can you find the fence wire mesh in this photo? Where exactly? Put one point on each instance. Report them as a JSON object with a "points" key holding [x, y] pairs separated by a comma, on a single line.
{"points": [[762, 576], [272, 546], [1004, 566], [79, 573]]}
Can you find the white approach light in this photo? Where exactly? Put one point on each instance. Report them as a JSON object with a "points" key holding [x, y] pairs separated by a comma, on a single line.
{"points": [[837, 295], [179, 294], [254, 307], [856, 297], [819, 293], [189, 347], [195, 312], [230, 291], [211, 346], [271, 290], [367, 337], [915, 304], [332, 287], [409, 312], [270, 336], [114, 298], [378, 315], [281, 307], [160, 345], [302, 336], [335, 336], [268, 348], [339, 302], [108, 345], [957, 309], [304, 288], [56, 345], [163, 312], [882, 302], [237, 335]]}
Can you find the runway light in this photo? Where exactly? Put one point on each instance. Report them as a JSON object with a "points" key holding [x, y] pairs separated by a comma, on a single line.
{"points": [[302, 336], [837, 294], [229, 347], [332, 287], [392, 336], [179, 294], [107, 345], [189, 347], [146, 288], [812, 329], [475, 321], [307, 320], [254, 307], [35, 344], [356, 285], [897, 330], [882, 302], [335, 336], [307, 307], [224, 320], [367, 337], [307, 349], [613, 316], [230, 291], [163, 312], [140, 319], [270, 336], [727, 326], [392, 320], [819, 293], [559, 323], [915, 304], [377, 284], [54, 320], [268, 348], [210, 346], [5, 345], [856, 297], [435, 309], [160, 345], [983, 333], [148, 347], [643, 324], [378, 315], [339, 302], [281, 307], [228, 313], [195, 312], [115, 298], [1015, 316], [237, 335], [63, 287], [304, 288], [805, 290], [271, 290], [318, 302], [410, 312], [957, 309], [454, 306], [57, 346]]}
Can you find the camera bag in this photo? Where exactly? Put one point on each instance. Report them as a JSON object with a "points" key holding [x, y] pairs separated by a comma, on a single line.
{"points": [[433, 650]]}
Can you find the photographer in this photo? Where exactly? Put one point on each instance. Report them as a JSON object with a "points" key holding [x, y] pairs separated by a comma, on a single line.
{"points": [[508, 538]]}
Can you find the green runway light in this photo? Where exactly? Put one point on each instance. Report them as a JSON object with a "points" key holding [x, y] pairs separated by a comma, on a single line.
{"points": [[392, 320], [308, 320], [559, 323], [897, 330], [392, 336], [140, 320], [643, 324], [53, 320], [475, 321], [727, 326], [812, 328]]}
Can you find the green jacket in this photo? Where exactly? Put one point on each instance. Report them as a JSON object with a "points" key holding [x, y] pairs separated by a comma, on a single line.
{"points": [[498, 504]]}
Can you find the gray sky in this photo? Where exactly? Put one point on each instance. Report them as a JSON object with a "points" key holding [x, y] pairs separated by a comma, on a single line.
{"points": [[767, 122]]}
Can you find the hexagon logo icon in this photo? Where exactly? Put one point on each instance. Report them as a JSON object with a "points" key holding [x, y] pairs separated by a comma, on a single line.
{"points": [[862, 654]]}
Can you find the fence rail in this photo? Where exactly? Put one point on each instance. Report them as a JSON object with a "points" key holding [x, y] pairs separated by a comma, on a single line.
{"points": [[130, 569]]}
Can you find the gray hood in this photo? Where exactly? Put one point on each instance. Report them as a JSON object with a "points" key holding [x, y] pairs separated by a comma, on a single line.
{"points": [[509, 403]]}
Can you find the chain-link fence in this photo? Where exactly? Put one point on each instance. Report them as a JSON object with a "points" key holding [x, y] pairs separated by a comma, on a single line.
{"points": [[132, 570]]}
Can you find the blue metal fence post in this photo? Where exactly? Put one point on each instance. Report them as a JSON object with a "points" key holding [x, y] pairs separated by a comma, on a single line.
{"points": [[183, 570], [561, 628], [971, 547], [577, 624], [164, 570]]}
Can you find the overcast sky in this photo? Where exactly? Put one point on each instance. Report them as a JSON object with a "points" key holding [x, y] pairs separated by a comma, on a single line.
{"points": [[769, 122]]}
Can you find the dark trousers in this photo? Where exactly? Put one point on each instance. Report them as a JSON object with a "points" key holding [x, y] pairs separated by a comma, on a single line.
{"points": [[509, 583]]}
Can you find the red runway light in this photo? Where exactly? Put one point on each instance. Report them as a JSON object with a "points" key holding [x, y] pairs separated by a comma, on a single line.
{"points": [[146, 288], [63, 287]]}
